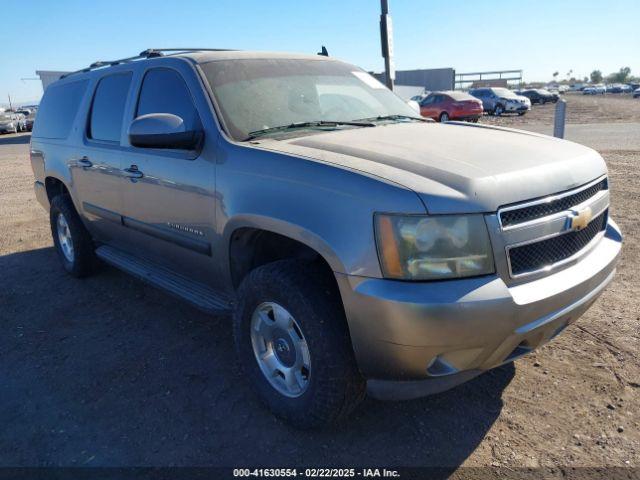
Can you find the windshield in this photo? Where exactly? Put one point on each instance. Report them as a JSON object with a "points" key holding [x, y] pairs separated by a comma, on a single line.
{"points": [[258, 94], [504, 92]]}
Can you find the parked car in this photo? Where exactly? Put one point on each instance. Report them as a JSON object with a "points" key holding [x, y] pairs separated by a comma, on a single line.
{"points": [[11, 122], [539, 96], [636, 93], [422, 96], [501, 100], [595, 90], [451, 105], [615, 88], [29, 121], [249, 183]]}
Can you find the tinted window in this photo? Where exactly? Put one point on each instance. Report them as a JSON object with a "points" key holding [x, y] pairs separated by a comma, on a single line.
{"points": [[428, 100], [108, 107], [164, 91], [58, 109]]}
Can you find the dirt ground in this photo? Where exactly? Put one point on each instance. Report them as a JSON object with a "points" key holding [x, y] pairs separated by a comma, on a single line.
{"points": [[580, 109], [110, 372]]}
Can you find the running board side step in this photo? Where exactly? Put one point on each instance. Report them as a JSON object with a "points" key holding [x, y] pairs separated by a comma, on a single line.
{"points": [[197, 294]]}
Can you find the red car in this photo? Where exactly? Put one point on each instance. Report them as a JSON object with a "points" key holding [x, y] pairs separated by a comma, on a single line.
{"points": [[450, 105]]}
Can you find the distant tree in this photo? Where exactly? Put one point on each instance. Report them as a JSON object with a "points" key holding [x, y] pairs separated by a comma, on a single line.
{"points": [[621, 76], [569, 73], [555, 76], [585, 79], [596, 76]]}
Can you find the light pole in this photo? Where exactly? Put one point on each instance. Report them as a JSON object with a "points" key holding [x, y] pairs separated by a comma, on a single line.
{"points": [[386, 37]]}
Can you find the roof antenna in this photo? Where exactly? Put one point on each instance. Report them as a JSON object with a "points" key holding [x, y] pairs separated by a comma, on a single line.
{"points": [[323, 52]]}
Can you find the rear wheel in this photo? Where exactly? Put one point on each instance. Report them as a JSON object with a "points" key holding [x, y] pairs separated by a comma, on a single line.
{"points": [[71, 239], [444, 117], [292, 340]]}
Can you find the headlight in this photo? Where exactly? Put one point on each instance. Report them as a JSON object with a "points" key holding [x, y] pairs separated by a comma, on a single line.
{"points": [[419, 247]]}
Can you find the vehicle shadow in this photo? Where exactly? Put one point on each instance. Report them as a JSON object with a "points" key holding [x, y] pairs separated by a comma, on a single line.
{"points": [[107, 371], [15, 139]]}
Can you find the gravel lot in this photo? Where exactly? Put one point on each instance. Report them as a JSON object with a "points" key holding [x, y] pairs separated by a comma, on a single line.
{"points": [[612, 108], [110, 372]]}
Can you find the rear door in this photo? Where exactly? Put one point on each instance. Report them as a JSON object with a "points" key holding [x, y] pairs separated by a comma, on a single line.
{"points": [[170, 209], [96, 170]]}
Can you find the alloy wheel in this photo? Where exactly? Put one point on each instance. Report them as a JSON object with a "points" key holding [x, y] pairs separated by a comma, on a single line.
{"points": [[64, 237], [280, 349]]}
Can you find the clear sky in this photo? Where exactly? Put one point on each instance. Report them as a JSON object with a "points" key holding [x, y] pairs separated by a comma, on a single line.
{"points": [[539, 37]]}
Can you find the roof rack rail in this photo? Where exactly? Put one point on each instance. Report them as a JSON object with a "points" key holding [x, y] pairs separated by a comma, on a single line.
{"points": [[148, 53]]}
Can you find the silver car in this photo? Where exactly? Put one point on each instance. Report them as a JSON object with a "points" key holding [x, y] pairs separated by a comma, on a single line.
{"points": [[497, 101], [357, 247], [10, 122]]}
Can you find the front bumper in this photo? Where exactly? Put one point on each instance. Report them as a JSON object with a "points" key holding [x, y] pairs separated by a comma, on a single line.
{"points": [[510, 107], [417, 338]]}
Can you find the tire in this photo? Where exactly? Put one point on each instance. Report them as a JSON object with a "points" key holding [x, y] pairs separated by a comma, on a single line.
{"points": [[333, 386], [79, 260], [498, 110], [444, 117], [521, 113]]}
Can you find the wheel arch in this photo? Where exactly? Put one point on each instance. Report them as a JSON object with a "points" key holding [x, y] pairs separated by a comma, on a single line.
{"points": [[55, 186], [253, 240]]}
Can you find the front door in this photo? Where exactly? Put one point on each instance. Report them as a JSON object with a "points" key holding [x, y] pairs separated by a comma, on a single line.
{"points": [[169, 194]]}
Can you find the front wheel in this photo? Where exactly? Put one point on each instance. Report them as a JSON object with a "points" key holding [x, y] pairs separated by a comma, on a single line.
{"points": [[444, 117], [498, 110], [292, 340]]}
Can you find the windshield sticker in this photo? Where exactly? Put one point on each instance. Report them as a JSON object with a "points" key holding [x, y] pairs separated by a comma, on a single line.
{"points": [[369, 80]]}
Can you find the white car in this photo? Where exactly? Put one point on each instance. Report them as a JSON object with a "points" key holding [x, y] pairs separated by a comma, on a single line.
{"points": [[595, 90], [636, 93]]}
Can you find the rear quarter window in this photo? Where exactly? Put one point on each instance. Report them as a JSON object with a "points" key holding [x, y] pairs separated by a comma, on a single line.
{"points": [[58, 109]]}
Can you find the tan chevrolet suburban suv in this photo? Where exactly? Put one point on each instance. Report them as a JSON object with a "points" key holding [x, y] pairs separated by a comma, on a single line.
{"points": [[358, 247]]}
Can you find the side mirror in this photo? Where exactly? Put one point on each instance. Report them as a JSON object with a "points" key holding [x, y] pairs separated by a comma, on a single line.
{"points": [[163, 130]]}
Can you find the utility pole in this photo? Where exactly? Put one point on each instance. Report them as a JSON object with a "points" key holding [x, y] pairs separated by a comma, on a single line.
{"points": [[10, 106], [386, 37]]}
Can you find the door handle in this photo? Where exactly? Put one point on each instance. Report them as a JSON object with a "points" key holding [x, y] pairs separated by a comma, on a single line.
{"points": [[133, 172], [84, 162]]}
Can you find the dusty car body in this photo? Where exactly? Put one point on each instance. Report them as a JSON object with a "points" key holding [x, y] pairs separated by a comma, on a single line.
{"points": [[440, 251]]}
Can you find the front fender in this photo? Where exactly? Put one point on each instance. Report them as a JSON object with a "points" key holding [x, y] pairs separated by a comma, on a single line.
{"points": [[286, 229], [324, 206]]}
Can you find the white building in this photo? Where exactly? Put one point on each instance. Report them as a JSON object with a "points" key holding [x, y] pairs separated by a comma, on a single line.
{"points": [[48, 77]]}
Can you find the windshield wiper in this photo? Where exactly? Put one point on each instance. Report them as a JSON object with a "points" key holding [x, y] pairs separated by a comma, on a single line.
{"points": [[315, 123], [382, 118]]}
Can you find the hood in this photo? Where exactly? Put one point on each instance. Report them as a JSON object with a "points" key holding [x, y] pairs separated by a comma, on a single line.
{"points": [[455, 167]]}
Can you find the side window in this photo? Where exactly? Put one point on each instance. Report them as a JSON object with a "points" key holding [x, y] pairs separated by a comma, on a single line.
{"points": [[164, 91], [428, 100], [58, 109], [108, 107]]}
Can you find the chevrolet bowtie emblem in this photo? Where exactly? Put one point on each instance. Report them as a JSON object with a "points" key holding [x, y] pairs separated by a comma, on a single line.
{"points": [[580, 219]]}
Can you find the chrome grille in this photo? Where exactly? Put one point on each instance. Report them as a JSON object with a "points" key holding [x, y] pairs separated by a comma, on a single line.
{"points": [[551, 251], [510, 216]]}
